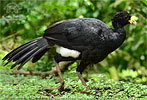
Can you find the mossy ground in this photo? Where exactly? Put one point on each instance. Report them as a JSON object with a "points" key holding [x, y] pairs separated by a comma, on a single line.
{"points": [[32, 87]]}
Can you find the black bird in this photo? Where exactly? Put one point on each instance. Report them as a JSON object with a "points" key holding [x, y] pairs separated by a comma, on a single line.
{"points": [[88, 40]]}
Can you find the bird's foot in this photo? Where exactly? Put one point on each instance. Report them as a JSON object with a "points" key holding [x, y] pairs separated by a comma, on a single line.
{"points": [[60, 88]]}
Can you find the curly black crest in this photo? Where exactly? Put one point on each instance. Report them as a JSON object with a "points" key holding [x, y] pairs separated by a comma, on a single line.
{"points": [[120, 19]]}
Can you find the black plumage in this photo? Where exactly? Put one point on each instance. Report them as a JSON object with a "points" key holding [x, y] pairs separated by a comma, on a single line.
{"points": [[89, 36]]}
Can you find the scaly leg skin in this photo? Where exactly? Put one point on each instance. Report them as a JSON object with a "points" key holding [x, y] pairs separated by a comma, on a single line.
{"points": [[61, 87], [82, 80]]}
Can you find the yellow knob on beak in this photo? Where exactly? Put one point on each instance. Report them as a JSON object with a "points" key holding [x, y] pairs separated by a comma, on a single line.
{"points": [[133, 20]]}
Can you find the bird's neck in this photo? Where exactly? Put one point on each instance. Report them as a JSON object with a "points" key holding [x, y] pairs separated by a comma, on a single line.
{"points": [[120, 33], [116, 24], [117, 38]]}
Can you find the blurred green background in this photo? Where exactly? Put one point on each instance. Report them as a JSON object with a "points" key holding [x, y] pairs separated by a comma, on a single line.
{"points": [[24, 20]]}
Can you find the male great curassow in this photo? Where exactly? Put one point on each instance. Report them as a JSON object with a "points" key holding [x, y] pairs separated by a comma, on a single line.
{"points": [[88, 40]]}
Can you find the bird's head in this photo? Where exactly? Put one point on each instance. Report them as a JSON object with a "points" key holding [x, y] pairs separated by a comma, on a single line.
{"points": [[122, 18]]}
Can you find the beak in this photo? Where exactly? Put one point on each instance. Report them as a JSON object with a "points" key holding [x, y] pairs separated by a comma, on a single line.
{"points": [[134, 23], [133, 20]]}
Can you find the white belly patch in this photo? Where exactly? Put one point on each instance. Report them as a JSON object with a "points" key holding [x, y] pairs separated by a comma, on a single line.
{"points": [[67, 52]]}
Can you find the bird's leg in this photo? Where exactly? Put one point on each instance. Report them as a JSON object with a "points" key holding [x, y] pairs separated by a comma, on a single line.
{"points": [[61, 87], [82, 80], [80, 69], [59, 58]]}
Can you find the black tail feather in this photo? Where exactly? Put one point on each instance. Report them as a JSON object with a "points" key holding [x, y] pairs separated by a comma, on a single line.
{"points": [[25, 50], [39, 55], [23, 58], [35, 48], [19, 54], [17, 50], [30, 57]]}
